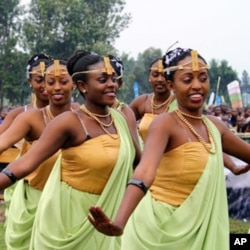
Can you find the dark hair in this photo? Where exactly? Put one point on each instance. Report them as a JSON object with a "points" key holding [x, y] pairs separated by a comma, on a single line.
{"points": [[61, 62], [117, 64], [153, 62], [80, 61], [35, 60], [172, 58]]}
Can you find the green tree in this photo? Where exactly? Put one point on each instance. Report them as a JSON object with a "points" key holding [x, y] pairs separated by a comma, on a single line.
{"points": [[245, 81], [141, 70], [61, 26], [226, 74], [126, 93], [137, 71], [16, 86], [10, 13]]}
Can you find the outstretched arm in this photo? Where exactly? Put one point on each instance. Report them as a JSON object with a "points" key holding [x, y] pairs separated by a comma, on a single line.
{"points": [[56, 134], [230, 164], [19, 128], [9, 118], [142, 178]]}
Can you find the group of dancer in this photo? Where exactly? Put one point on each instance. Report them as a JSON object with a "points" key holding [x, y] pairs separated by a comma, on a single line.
{"points": [[85, 173]]}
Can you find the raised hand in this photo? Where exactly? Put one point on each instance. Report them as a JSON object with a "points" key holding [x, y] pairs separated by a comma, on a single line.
{"points": [[102, 223]]}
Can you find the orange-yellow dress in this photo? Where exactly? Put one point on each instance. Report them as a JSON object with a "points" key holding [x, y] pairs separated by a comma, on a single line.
{"points": [[23, 201], [147, 120], [186, 207], [94, 173]]}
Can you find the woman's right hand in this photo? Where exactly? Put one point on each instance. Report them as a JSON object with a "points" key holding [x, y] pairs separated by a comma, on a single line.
{"points": [[102, 223]]}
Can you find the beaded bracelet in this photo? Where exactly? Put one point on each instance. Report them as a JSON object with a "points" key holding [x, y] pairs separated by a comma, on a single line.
{"points": [[9, 174], [139, 184]]}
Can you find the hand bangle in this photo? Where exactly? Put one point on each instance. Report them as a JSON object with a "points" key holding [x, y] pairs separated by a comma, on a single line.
{"points": [[139, 184], [9, 174]]}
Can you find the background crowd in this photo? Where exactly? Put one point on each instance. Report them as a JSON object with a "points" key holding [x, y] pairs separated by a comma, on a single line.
{"points": [[237, 119]]}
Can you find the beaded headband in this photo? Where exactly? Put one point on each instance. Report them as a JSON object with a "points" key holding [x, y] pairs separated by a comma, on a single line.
{"points": [[196, 65], [34, 59], [159, 67], [57, 71], [108, 69], [118, 66], [40, 71]]}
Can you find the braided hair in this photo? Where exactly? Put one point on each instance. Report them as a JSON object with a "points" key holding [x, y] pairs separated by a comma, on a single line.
{"points": [[35, 60], [172, 58], [117, 64]]}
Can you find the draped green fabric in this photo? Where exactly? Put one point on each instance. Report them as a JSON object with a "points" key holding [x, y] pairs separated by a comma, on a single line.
{"points": [[61, 219], [173, 105], [21, 215], [8, 192], [199, 223]]}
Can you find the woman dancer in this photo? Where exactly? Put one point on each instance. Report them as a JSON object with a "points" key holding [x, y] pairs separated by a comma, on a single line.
{"points": [[186, 207]]}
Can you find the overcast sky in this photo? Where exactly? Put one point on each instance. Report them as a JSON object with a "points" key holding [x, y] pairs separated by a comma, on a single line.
{"points": [[218, 29]]}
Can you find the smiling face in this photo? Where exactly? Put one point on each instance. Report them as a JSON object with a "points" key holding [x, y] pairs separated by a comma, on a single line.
{"points": [[37, 83], [58, 84], [157, 79], [99, 88], [190, 87]]}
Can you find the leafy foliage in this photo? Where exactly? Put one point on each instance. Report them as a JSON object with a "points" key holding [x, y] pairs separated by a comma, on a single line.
{"points": [[226, 73], [10, 14], [60, 27]]}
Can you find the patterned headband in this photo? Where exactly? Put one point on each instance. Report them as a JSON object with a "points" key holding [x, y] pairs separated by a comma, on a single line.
{"points": [[108, 69], [40, 71], [117, 65], [57, 71], [159, 67], [34, 59], [171, 56]]}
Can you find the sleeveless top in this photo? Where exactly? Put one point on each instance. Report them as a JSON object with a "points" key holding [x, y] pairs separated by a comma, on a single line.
{"points": [[39, 176], [179, 172], [87, 167], [148, 118]]}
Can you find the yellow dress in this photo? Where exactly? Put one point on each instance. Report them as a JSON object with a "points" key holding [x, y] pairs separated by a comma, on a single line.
{"points": [[94, 173], [186, 207], [22, 200], [147, 120]]}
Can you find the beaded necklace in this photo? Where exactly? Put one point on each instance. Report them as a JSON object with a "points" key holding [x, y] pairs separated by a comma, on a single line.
{"points": [[207, 146], [102, 124], [157, 106], [34, 105], [190, 116], [49, 113]]}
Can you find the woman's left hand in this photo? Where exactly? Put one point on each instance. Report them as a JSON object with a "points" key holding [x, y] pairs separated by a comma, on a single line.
{"points": [[102, 223]]}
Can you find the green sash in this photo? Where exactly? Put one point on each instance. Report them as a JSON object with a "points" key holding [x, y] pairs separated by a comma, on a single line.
{"points": [[200, 223], [61, 221]]}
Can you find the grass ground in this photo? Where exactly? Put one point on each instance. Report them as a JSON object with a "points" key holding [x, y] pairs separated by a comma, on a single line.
{"points": [[236, 226]]}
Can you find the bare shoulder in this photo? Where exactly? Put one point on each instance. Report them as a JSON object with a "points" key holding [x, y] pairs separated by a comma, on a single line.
{"points": [[13, 114], [165, 121], [30, 114], [218, 123], [139, 99], [127, 111], [75, 105]]}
